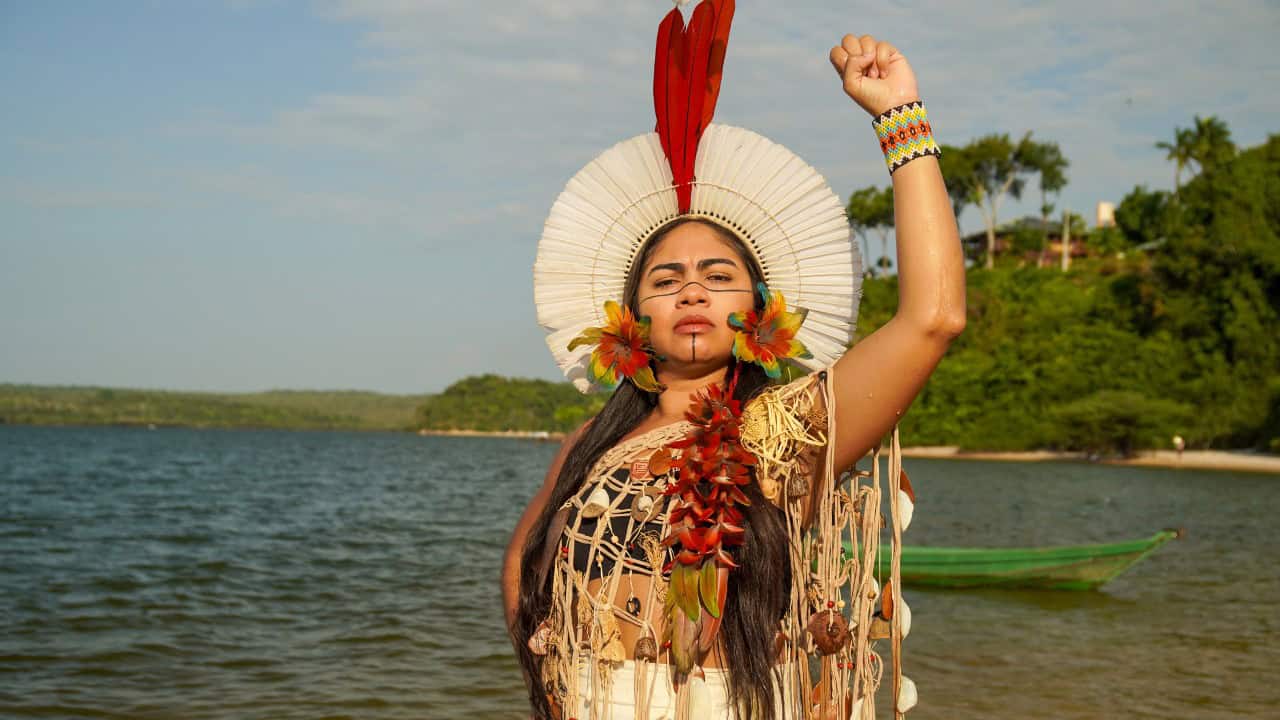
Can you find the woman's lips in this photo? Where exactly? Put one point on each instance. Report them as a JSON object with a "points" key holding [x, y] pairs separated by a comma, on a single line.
{"points": [[693, 325]]}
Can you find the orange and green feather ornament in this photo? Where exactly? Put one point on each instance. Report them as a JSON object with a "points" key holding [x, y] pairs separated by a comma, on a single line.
{"points": [[709, 468], [622, 349], [768, 336]]}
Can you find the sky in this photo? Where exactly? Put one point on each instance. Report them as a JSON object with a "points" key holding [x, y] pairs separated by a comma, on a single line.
{"points": [[348, 194]]}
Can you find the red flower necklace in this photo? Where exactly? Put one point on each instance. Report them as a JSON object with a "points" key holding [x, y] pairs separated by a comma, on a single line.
{"points": [[711, 467]]}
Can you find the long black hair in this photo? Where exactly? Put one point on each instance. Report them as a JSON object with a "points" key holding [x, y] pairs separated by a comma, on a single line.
{"points": [[758, 592]]}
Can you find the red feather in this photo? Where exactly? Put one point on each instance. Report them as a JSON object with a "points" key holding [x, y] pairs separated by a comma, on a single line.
{"points": [[698, 43], [665, 29], [677, 98], [686, 84], [715, 64]]}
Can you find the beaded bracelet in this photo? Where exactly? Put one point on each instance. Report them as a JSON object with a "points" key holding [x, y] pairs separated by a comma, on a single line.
{"points": [[905, 134]]}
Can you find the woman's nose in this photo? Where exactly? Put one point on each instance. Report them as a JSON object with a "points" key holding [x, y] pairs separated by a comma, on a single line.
{"points": [[693, 293]]}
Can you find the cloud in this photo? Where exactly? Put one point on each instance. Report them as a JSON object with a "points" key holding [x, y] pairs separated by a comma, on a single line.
{"points": [[285, 196], [508, 100], [505, 102], [460, 121], [361, 123], [46, 197]]}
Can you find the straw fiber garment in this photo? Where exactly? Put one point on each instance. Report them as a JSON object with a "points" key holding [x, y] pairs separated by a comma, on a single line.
{"points": [[831, 616]]}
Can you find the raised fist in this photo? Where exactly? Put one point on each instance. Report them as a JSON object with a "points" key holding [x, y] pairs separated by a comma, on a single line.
{"points": [[874, 73]]}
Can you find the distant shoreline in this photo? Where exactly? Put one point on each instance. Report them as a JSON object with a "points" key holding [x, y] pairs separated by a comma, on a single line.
{"points": [[1196, 459], [1191, 459], [519, 434], [1227, 460]]}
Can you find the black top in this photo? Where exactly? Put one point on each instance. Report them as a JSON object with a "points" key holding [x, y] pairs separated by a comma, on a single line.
{"points": [[622, 531]]}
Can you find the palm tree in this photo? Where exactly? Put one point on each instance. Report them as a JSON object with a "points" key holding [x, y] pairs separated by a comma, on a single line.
{"points": [[1047, 161], [1179, 151], [1208, 145], [1211, 144]]}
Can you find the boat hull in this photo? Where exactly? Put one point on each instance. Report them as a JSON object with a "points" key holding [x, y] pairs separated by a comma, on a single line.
{"points": [[1075, 567]]}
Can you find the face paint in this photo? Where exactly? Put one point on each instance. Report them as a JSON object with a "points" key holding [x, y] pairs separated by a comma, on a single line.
{"points": [[680, 289]]}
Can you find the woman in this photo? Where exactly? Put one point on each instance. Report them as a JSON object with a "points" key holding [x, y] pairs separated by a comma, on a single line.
{"points": [[683, 557]]}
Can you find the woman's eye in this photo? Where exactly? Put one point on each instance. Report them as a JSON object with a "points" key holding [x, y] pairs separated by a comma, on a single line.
{"points": [[719, 277], [663, 283]]}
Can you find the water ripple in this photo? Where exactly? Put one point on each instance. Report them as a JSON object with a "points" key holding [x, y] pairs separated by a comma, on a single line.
{"points": [[230, 574]]}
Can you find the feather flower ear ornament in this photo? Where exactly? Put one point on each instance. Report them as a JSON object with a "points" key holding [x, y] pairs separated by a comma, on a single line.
{"points": [[770, 335], [622, 349]]}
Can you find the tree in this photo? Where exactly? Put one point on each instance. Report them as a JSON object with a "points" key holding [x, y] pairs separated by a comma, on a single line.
{"points": [[1211, 145], [495, 403], [1071, 222], [1179, 153], [982, 172], [1119, 356], [1106, 240], [1219, 275], [1118, 421], [1142, 215], [1048, 162], [957, 168], [1207, 144], [871, 208]]}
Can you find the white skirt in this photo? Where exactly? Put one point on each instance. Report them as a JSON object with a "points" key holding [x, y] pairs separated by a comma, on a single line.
{"points": [[708, 697]]}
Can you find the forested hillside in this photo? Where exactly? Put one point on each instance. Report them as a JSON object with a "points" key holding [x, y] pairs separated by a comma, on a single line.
{"points": [[300, 409], [1167, 324], [1171, 327], [495, 403]]}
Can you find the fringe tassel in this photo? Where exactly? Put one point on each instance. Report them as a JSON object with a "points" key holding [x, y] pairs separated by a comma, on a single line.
{"points": [[863, 589], [783, 427], [642, 689], [895, 567], [785, 422], [559, 666], [682, 702]]}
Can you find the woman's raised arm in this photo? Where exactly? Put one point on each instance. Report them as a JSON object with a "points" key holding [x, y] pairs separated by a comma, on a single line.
{"points": [[876, 380]]}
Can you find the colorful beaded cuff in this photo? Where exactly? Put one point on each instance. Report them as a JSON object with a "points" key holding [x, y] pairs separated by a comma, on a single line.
{"points": [[905, 134]]}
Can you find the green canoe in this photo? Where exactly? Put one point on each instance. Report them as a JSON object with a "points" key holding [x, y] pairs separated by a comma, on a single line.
{"points": [[1072, 567]]}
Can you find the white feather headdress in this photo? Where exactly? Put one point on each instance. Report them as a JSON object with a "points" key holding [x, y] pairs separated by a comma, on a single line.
{"points": [[780, 207]]}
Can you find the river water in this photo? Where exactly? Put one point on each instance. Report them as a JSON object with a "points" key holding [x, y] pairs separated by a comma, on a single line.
{"points": [[271, 574]]}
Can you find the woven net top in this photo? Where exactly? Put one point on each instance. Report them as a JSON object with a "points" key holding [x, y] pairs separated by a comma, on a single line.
{"points": [[620, 512]]}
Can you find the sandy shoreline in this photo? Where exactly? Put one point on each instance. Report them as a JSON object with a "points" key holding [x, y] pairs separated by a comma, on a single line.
{"points": [[1197, 459], [520, 434]]}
